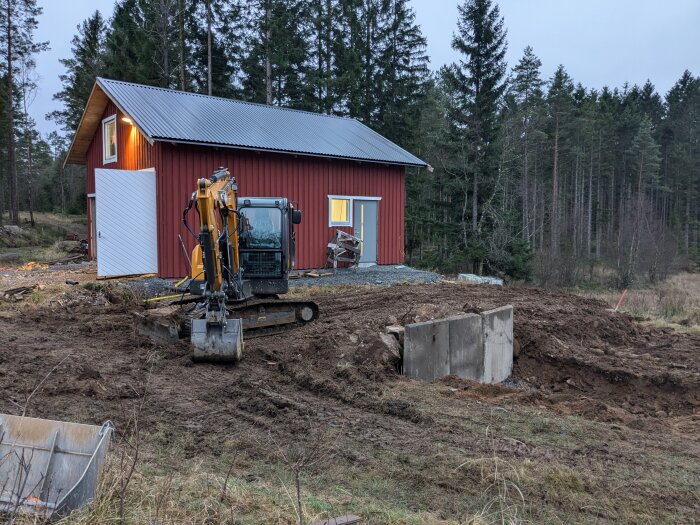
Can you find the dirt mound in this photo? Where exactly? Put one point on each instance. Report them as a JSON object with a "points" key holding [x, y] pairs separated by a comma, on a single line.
{"points": [[575, 357]]}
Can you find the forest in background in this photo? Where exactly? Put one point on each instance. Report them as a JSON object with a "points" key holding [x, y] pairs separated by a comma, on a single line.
{"points": [[531, 177]]}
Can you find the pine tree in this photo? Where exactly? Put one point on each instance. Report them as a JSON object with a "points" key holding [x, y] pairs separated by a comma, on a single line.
{"points": [[85, 64], [526, 88], [18, 21], [225, 36]]}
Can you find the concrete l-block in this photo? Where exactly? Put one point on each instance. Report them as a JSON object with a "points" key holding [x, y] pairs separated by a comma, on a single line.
{"points": [[426, 352], [498, 344], [466, 348], [478, 347]]}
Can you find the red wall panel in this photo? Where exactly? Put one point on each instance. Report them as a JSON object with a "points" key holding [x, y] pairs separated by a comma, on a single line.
{"points": [[305, 180]]}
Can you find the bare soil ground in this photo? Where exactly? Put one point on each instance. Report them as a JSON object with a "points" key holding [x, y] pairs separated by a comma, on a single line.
{"points": [[600, 422]]}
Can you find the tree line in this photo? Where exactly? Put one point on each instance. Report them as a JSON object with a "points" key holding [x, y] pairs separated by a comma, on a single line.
{"points": [[530, 176], [545, 178]]}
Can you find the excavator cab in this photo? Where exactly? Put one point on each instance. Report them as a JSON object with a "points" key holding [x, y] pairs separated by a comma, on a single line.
{"points": [[266, 247], [266, 243]]}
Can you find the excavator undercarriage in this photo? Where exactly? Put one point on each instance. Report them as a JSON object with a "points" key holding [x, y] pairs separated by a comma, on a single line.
{"points": [[220, 338]]}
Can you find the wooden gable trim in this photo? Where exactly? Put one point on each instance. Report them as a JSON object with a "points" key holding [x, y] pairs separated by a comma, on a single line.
{"points": [[87, 127], [90, 122]]}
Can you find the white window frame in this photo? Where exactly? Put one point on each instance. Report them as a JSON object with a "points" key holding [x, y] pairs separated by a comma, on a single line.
{"points": [[351, 199], [106, 159]]}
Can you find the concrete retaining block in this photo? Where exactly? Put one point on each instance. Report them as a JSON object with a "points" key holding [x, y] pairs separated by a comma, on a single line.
{"points": [[478, 347], [426, 353], [479, 279], [498, 344], [466, 348]]}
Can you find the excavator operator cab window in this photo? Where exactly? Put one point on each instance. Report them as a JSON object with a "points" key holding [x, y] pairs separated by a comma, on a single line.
{"points": [[261, 228]]}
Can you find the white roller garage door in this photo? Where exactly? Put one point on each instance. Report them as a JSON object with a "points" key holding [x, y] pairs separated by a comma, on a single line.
{"points": [[125, 215]]}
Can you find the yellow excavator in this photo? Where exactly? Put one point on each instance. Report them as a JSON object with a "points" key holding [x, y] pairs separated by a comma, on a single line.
{"points": [[245, 250]]}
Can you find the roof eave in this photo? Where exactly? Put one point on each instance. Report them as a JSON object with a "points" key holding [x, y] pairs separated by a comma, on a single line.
{"points": [[134, 120]]}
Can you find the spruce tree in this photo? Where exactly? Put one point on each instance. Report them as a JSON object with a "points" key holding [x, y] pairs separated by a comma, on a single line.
{"points": [[277, 54], [681, 160], [348, 64], [324, 16], [85, 64], [403, 75], [478, 79], [126, 56], [160, 39], [526, 88], [561, 106]]}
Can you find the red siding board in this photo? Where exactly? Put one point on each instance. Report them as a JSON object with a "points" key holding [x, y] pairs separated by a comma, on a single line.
{"points": [[305, 180]]}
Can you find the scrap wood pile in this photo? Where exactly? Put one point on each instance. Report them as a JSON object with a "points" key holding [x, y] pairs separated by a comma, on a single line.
{"points": [[69, 259], [309, 273], [17, 294], [34, 265]]}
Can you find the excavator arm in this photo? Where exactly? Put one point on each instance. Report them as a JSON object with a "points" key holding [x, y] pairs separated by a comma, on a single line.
{"points": [[216, 258], [216, 255]]}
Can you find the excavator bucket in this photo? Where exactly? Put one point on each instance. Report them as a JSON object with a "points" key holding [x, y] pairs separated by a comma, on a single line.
{"points": [[219, 342], [49, 467]]}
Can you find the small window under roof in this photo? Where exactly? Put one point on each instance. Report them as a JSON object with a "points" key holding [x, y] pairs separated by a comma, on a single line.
{"points": [[109, 139]]}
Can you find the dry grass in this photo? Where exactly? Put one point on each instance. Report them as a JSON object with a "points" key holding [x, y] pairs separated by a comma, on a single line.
{"points": [[674, 302], [45, 241]]}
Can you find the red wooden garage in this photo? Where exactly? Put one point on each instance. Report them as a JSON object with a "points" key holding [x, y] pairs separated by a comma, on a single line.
{"points": [[144, 148]]}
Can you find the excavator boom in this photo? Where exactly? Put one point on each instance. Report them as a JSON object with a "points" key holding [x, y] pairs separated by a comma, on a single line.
{"points": [[217, 337]]}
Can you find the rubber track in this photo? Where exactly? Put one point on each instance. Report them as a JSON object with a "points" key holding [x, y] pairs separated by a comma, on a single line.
{"points": [[253, 333]]}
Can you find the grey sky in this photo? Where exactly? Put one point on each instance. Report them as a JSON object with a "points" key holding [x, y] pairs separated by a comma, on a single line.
{"points": [[600, 42]]}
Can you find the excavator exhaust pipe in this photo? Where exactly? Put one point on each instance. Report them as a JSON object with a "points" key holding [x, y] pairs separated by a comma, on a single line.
{"points": [[219, 342]]}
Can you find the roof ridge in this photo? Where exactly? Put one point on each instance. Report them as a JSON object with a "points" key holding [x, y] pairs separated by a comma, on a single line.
{"points": [[258, 104]]}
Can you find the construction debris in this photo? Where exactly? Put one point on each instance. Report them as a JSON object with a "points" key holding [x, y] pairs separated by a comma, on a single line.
{"points": [[163, 325], [348, 519], [17, 294], [479, 279], [66, 260], [311, 273], [344, 248]]}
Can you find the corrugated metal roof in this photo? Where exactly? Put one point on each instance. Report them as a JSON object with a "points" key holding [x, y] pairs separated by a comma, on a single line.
{"points": [[165, 114]]}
